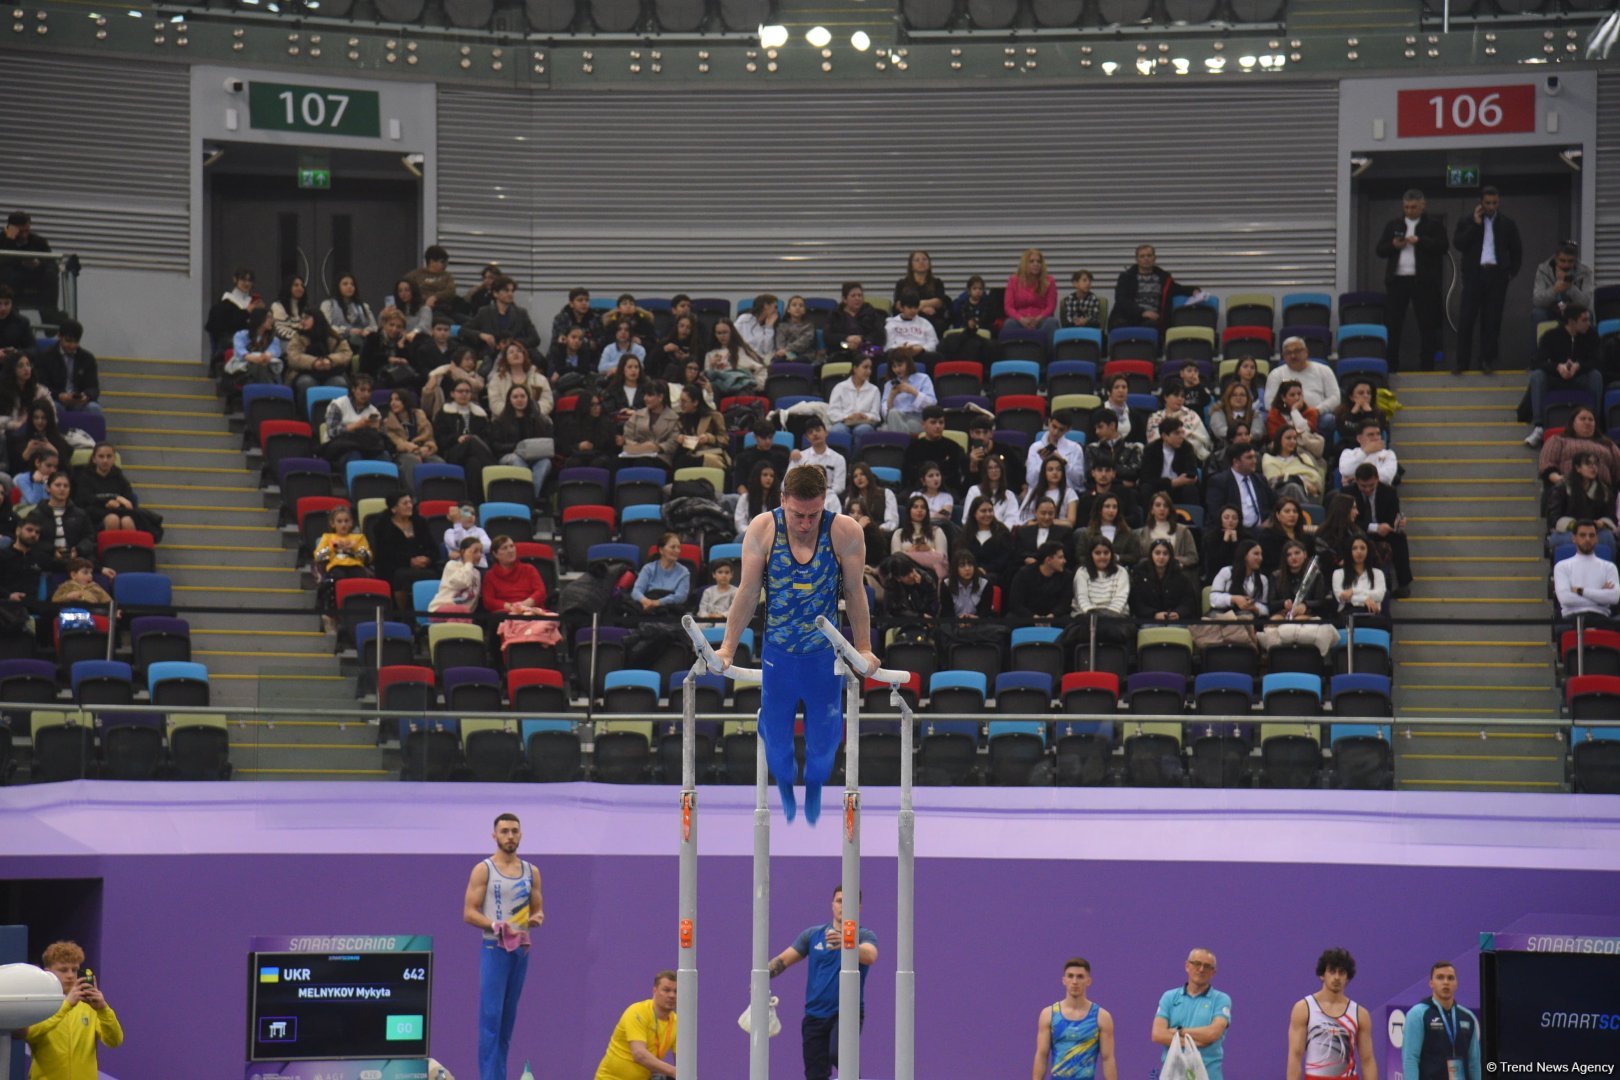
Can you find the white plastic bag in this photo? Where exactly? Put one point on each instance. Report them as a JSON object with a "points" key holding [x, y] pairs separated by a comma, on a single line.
{"points": [[774, 1026], [1183, 1061]]}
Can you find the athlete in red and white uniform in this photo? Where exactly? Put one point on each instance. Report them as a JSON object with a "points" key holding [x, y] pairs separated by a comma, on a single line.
{"points": [[1329, 1035]]}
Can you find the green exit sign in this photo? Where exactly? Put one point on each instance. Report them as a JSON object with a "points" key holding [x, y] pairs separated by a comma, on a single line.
{"points": [[315, 179], [1462, 176], [315, 110]]}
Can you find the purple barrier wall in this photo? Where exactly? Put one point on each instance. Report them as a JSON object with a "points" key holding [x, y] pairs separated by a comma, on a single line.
{"points": [[992, 933]]}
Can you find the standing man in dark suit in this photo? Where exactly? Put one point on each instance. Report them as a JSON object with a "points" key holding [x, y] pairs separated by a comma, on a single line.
{"points": [[1414, 246], [1491, 257]]}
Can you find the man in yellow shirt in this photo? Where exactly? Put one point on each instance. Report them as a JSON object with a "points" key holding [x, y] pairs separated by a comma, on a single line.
{"points": [[64, 1045], [644, 1036]]}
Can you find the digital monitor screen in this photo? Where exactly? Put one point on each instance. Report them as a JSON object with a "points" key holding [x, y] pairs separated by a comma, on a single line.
{"points": [[1555, 1007], [305, 1006]]}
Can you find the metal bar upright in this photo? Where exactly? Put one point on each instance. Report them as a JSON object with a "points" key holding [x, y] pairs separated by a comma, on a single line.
{"points": [[686, 974], [849, 970], [905, 974], [759, 977]]}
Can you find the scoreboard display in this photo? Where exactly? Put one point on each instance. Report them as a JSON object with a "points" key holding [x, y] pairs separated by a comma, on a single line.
{"points": [[340, 999]]}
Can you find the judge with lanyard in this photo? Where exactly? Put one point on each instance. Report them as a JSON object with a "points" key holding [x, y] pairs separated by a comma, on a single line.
{"points": [[806, 556], [1442, 1037]]}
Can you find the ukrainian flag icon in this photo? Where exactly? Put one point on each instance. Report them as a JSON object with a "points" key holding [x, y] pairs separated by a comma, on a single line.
{"points": [[269, 975]]}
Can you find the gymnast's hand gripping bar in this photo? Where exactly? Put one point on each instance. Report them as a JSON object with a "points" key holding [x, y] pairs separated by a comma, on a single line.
{"points": [[853, 659], [705, 653]]}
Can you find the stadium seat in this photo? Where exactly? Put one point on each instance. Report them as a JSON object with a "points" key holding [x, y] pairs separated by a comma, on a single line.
{"points": [[511, 519], [199, 746], [1071, 377], [639, 486], [605, 653], [86, 643], [1223, 693], [508, 484], [405, 688], [1020, 344], [436, 481], [1291, 694], [1371, 653], [957, 692], [316, 401], [300, 478], [492, 750], [27, 682], [583, 527], [1307, 309], [132, 747], [1595, 753], [1153, 755], [281, 439], [1021, 412], [983, 657], [359, 600], [1036, 648], [149, 592], [583, 487], [954, 377], [126, 551], [715, 478], [64, 746], [710, 691], [452, 645], [1318, 340], [622, 751], [1238, 342], [102, 682], [1599, 653], [431, 749], [472, 690], [1361, 339], [156, 638], [261, 402], [1023, 692], [785, 380], [1149, 693], [1205, 313], [948, 752], [1362, 757], [314, 517], [875, 695], [1290, 754], [371, 479], [174, 682], [1009, 377], [1182, 343], [640, 526], [1165, 648], [536, 690], [1090, 693], [553, 750], [1077, 344], [1362, 307], [397, 648], [1138, 343], [1251, 310], [1017, 752]]}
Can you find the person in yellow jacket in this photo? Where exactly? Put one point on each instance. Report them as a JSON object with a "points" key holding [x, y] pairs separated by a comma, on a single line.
{"points": [[64, 1045], [643, 1037]]}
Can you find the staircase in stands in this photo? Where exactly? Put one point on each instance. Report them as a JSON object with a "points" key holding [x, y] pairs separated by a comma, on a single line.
{"points": [[222, 550], [1471, 499]]}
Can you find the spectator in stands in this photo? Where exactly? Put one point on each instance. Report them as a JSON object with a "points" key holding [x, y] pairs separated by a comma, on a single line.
{"points": [[1116, 399], [715, 602], [855, 406], [932, 300], [733, 365], [992, 486], [21, 564], [1560, 281], [691, 375], [18, 392], [349, 315], [463, 524], [853, 325], [1568, 358], [31, 485], [761, 447], [513, 367], [796, 334], [626, 311], [974, 312], [1286, 524], [1584, 583], [339, 553], [1234, 410], [503, 319], [1288, 409], [462, 431], [1338, 528], [704, 440], [1360, 405], [759, 496], [1031, 297], [290, 307], [1316, 380], [910, 590], [108, 497], [1302, 604], [576, 313], [906, 394], [521, 435], [511, 586], [988, 540], [919, 537], [317, 356], [16, 332], [1163, 523], [1055, 443], [80, 586], [435, 351], [1242, 588], [70, 371], [1369, 448], [1174, 399], [1488, 241], [679, 347], [410, 433], [941, 503], [1414, 246], [433, 280], [64, 528], [1582, 434], [652, 431], [1378, 512], [1222, 535], [1193, 391], [1247, 372], [1243, 487], [873, 507], [1105, 481], [625, 389], [1582, 495], [353, 427], [1169, 465], [1030, 538], [256, 353], [1358, 585], [1106, 439], [461, 582], [757, 327], [442, 381], [40, 436], [35, 281], [969, 593], [663, 584], [982, 446], [1159, 591], [1041, 591], [1053, 485], [819, 453], [1081, 307], [622, 345], [588, 434], [908, 331], [484, 292], [1293, 471], [1102, 587], [408, 301], [388, 358], [932, 447], [229, 314], [1107, 523], [1143, 292]]}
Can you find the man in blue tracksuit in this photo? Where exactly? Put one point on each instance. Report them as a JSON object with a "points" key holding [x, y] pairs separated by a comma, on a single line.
{"points": [[1441, 1038], [822, 945]]}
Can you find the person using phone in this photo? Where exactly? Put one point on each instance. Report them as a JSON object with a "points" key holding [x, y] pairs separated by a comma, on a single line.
{"points": [[1560, 281], [1414, 247], [1488, 241], [64, 1044]]}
